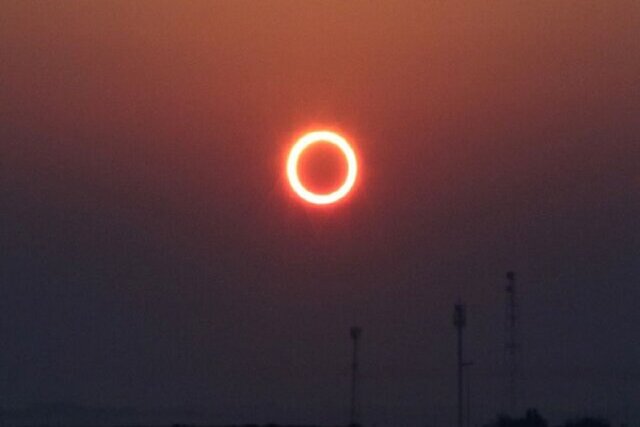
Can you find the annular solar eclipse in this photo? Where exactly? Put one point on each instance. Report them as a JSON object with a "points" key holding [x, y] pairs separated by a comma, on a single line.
{"points": [[322, 137]]}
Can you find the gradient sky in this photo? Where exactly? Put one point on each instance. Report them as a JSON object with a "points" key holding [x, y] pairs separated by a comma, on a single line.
{"points": [[153, 256]]}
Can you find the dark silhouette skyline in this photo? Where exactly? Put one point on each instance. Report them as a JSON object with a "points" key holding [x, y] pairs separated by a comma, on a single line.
{"points": [[153, 255], [77, 415]]}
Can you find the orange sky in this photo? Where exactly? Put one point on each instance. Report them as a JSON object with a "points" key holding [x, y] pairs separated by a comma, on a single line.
{"points": [[141, 176]]}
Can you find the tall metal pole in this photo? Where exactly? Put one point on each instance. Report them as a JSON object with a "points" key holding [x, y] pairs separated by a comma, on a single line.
{"points": [[459, 321], [511, 342], [353, 413]]}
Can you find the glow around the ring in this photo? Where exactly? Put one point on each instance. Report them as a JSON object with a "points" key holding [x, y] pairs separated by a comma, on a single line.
{"points": [[292, 167]]}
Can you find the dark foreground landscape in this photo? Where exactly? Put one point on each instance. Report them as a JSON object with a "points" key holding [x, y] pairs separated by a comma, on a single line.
{"points": [[77, 416]]}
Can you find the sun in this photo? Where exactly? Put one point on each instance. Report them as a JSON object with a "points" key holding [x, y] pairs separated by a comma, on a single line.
{"points": [[322, 137]]}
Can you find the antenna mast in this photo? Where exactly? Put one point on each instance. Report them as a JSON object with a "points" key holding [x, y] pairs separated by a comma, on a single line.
{"points": [[353, 412], [460, 321], [512, 347]]}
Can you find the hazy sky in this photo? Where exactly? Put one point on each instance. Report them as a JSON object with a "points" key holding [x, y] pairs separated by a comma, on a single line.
{"points": [[153, 256]]}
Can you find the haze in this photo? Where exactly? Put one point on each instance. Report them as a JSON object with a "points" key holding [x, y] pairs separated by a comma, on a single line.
{"points": [[153, 256]]}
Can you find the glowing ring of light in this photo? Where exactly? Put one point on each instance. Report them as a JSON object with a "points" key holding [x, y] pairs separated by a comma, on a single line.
{"points": [[292, 167]]}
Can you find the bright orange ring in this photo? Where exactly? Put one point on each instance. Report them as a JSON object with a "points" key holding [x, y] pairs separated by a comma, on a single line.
{"points": [[292, 167]]}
